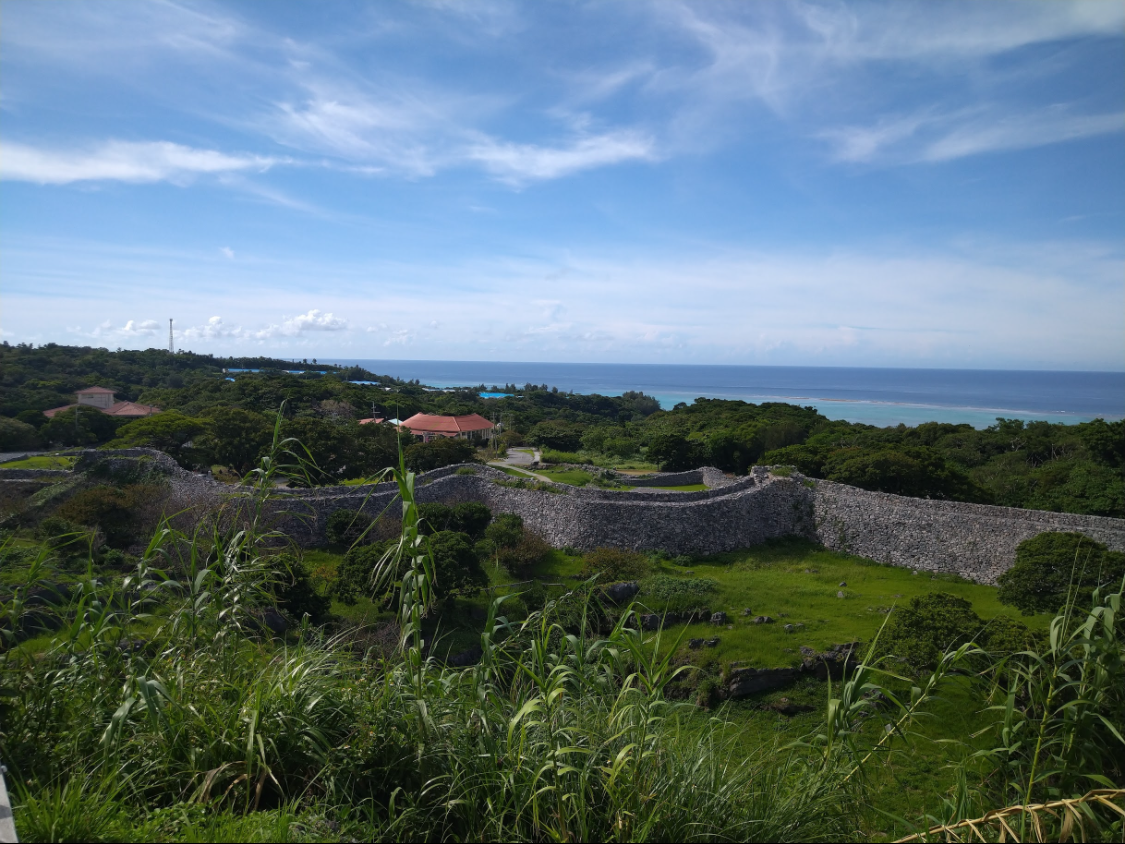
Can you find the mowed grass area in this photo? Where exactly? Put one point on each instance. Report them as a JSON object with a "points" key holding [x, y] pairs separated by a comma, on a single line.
{"points": [[41, 461], [794, 581]]}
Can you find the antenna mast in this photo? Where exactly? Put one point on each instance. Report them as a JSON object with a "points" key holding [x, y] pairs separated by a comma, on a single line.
{"points": [[171, 341]]}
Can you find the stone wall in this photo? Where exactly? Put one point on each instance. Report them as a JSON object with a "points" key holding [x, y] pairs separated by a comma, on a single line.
{"points": [[972, 540]]}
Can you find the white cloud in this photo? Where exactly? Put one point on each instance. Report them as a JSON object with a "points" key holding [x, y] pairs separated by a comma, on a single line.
{"points": [[125, 161], [227, 252], [519, 163], [935, 137]]}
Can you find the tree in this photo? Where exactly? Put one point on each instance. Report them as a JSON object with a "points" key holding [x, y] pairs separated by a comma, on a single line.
{"points": [[561, 436], [293, 589], [918, 471], [345, 527], [16, 435], [928, 626], [615, 564], [470, 518], [1048, 566], [457, 569], [89, 428], [505, 531], [675, 453], [170, 432], [236, 438], [446, 451]]}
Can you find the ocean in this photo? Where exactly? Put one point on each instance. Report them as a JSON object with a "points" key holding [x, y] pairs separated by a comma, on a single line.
{"points": [[871, 396]]}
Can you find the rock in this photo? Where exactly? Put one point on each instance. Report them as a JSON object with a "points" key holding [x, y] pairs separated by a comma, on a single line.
{"points": [[275, 621], [719, 618], [695, 644], [752, 681], [621, 593], [650, 621], [812, 571], [807, 651], [839, 594], [788, 628], [711, 643], [762, 619], [747, 611], [843, 583]]}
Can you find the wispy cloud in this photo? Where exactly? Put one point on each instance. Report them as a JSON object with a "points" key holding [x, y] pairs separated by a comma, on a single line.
{"points": [[520, 163], [123, 161], [936, 137]]}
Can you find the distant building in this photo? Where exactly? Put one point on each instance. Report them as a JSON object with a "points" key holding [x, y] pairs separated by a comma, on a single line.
{"points": [[373, 420], [429, 427], [101, 399]]}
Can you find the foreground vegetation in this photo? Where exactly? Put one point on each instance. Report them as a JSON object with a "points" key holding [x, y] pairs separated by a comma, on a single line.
{"points": [[170, 705]]}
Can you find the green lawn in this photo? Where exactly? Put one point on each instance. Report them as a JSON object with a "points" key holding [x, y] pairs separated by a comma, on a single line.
{"points": [[41, 461], [794, 581], [515, 473]]}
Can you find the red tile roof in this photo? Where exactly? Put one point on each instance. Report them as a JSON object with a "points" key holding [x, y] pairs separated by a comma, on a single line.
{"points": [[95, 390], [121, 408], [448, 425], [374, 419]]}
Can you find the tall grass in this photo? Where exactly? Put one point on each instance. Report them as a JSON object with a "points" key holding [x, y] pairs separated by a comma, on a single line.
{"points": [[164, 707]]}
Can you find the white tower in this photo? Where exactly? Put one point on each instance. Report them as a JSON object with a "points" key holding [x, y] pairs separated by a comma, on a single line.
{"points": [[171, 342]]}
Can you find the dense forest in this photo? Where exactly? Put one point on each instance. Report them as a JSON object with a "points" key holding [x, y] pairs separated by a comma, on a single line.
{"points": [[211, 417]]}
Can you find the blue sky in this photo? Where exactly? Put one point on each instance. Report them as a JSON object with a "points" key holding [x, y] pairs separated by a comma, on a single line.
{"points": [[862, 184]]}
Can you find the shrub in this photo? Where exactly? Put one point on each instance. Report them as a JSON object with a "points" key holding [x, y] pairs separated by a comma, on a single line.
{"points": [[928, 626], [614, 564], [435, 517], [422, 457], [1050, 564], [519, 559], [560, 436], [505, 531], [457, 569], [345, 527], [58, 532], [471, 518], [293, 589], [353, 575], [117, 511]]}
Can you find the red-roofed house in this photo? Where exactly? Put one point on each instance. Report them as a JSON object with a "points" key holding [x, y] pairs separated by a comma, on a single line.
{"points": [[99, 398], [471, 427]]}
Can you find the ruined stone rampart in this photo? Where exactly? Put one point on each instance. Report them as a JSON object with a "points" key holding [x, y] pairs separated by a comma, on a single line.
{"points": [[972, 540]]}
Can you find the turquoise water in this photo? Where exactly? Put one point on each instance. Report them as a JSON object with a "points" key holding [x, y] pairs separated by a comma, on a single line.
{"points": [[871, 396]]}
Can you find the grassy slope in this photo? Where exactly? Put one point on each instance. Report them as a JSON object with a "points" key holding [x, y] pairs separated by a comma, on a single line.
{"points": [[41, 461]]}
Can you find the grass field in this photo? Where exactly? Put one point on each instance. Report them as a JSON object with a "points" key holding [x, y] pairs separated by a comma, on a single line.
{"points": [[793, 581], [41, 461]]}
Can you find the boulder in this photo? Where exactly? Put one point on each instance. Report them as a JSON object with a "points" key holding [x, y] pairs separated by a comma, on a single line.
{"points": [[839, 594], [650, 621], [719, 618], [622, 593], [762, 619], [751, 681], [695, 644], [843, 583], [711, 643]]}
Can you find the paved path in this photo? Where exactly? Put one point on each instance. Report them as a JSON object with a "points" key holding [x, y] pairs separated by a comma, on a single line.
{"points": [[520, 459]]}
